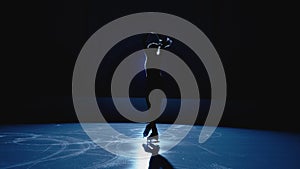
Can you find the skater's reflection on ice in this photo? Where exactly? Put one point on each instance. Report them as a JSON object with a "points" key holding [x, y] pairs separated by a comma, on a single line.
{"points": [[156, 161]]}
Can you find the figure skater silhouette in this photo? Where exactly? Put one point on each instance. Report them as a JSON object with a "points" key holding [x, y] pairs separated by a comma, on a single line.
{"points": [[153, 77]]}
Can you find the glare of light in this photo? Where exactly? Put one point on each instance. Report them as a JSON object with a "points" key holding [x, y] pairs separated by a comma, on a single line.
{"points": [[143, 161], [158, 50], [145, 63]]}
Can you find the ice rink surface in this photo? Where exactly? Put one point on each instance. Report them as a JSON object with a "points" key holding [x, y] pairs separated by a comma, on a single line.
{"points": [[68, 146]]}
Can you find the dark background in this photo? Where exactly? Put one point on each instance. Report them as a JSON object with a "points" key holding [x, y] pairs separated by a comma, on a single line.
{"points": [[255, 42]]}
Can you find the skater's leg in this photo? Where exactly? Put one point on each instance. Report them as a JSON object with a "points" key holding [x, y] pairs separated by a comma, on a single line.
{"points": [[153, 128], [147, 130]]}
